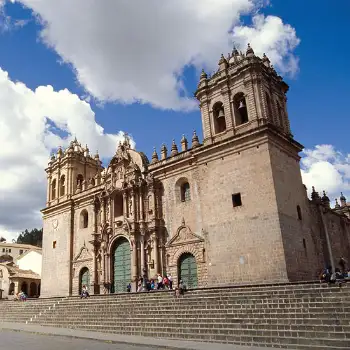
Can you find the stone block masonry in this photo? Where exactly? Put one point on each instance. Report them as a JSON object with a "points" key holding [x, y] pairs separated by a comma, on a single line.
{"points": [[298, 316]]}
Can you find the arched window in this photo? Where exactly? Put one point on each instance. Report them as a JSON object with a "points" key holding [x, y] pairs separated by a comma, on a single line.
{"points": [[219, 118], [53, 189], [280, 115], [62, 185], [84, 219], [185, 192], [118, 205], [80, 179], [268, 106], [299, 212], [240, 109]]}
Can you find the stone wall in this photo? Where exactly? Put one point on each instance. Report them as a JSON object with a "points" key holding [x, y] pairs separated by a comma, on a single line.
{"points": [[57, 245]]}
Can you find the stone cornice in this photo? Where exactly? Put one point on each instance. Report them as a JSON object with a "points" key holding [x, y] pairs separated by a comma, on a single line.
{"points": [[228, 146]]}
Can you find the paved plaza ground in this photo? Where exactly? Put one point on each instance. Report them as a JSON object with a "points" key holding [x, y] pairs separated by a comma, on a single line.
{"points": [[29, 341], [18, 336]]}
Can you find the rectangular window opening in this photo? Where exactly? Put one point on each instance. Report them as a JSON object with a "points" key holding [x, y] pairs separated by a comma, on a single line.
{"points": [[54, 243], [236, 200]]}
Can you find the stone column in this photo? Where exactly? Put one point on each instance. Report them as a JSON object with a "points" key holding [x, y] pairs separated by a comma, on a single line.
{"points": [[156, 255], [48, 194], [103, 209], [142, 247], [141, 205], [111, 211], [134, 260], [125, 204]]}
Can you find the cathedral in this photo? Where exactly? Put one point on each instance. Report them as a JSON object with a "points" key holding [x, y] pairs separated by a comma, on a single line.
{"points": [[230, 209]]}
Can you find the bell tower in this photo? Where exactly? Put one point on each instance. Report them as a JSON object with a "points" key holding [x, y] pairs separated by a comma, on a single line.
{"points": [[243, 94]]}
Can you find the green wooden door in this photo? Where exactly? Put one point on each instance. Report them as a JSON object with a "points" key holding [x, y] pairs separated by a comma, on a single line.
{"points": [[122, 266], [188, 270], [84, 279]]}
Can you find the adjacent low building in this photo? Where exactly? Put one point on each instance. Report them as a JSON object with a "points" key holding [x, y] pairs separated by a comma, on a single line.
{"points": [[22, 274]]}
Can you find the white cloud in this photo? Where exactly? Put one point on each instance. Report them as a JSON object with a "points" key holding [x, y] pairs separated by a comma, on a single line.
{"points": [[135, 51], [271, 36], [31, 124], [327, 169]]}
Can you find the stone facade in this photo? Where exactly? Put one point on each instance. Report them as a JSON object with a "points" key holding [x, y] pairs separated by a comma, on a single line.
{"points": [[236, 203]]}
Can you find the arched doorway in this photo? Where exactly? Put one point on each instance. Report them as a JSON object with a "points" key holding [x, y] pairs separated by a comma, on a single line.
{"points": [[84, 278], [32, 289], [24, 288], [188, 270], [121, 268], [12, 289]]}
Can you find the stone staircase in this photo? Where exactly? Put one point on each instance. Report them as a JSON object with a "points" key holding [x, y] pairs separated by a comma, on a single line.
{"points": [[25, 312], [297, 316]]}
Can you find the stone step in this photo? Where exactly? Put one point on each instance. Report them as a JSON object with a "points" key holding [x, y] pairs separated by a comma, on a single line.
{"points": [[212, 324], [165, 294], [184, 299], [229, 335], [217, 319], [223, 304]]}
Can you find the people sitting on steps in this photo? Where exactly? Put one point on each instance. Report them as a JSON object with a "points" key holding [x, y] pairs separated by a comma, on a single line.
{"points": [[181, 289], [84, 293]]}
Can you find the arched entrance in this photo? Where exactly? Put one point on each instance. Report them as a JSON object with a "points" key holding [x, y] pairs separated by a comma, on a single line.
{"points": [[121, 266], [84, 278], [24, 288], [188, 270], [32, 288], [12, 289]]}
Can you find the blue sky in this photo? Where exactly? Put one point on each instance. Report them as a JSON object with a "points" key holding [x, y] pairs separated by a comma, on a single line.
{"points": [[317, 100]]}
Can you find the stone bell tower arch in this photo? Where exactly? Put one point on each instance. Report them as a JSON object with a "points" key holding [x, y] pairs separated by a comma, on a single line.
{"points": [[244, 93]]}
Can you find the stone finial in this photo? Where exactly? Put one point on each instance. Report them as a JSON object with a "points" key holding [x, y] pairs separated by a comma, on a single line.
{"points": [[223, 64], [250, 51], [184, 143], [314, 195], [325, 199], [337, 206], [163, 152], [174, 150], [204, 75], [183, 223], [97, 156], [155, 158], [59, 152], [266, 61], [195, 140], [235, 51], [342, 200], [86, 151], [53, 158]]}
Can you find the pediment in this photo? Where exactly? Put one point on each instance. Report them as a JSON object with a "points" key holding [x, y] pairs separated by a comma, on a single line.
{"points": [[83, 254], [184, 235]]}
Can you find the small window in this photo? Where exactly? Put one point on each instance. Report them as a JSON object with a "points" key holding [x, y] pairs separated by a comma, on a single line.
{"points": [[185, 192], [9, 250], [1, 274], [20, 251], [3, 250], [54, 243], [219, 118], [84, 219], [240, 109], [236, 200], [53, 189], [304, 245], [299, 212], [62, 185]]}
